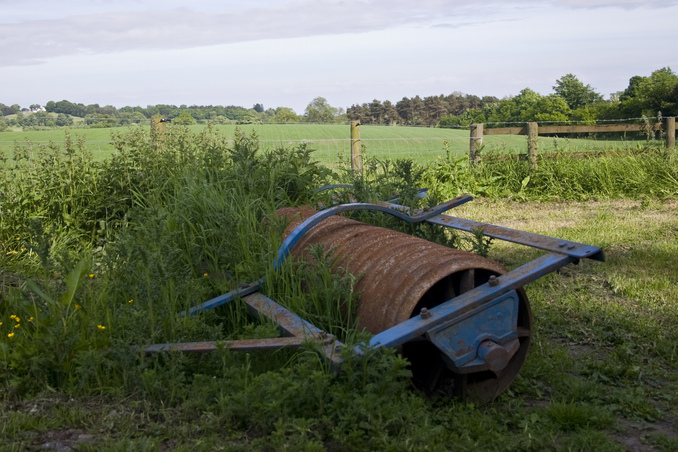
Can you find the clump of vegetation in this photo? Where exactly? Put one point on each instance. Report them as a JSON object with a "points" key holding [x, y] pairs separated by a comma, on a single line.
{"points": [[653, 173], [98, 258]]}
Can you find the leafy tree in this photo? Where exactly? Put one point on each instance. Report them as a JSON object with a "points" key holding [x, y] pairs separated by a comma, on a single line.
{"points": [[285, 114], [38, 119], [470, 116], [6, 110], [650, 95], [319, 111], [100, 121], [632, 90], [233, 113], [376, 111], [66, 107], [405, 110], [412, 110], [259, 108], [249, 118], [184, 119], [356, 113], [576, 94], [63, 120], [130, 117], [530, 106], [390, 113], [436, 108]]}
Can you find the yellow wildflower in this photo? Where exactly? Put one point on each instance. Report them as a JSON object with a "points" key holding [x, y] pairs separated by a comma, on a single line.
{"points": [[10, 335], [31, 319], [101, 327], [131, 300], [77, 306], [17, 325], [91, 275], [204, 274], [12, 316], [17, 319]]}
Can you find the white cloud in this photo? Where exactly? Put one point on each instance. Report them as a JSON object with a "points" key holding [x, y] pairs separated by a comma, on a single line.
{"points": [[35, 30], [285, 53]]}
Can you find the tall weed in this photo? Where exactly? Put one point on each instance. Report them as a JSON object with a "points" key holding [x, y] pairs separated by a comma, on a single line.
{"points": [[654, 173]]}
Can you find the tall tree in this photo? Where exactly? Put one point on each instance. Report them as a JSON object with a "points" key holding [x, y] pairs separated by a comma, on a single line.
{"points": [[376, 112], [576, 94], [390, 113], [419, 110], [530, 106], [319, 111], [653, 94], [405, 110], [285, 114], [436, 108]]}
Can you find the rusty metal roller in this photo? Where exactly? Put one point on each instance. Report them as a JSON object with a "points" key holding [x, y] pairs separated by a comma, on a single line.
{"points": [[401, 273]]}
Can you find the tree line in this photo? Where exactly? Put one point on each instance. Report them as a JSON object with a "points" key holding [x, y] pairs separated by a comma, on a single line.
{"points": [[572, 101]]}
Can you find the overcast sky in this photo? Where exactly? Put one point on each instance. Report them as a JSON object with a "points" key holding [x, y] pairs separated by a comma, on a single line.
{"points": [[287, 52]]}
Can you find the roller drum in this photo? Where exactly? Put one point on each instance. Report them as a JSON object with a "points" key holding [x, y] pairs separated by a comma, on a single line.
{"points": [[401, 275]]}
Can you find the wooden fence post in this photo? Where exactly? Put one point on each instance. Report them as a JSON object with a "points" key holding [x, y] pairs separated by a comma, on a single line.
{"points": [[532, 143], [158, 128], [476, 140], [356, 157], [670, 129]]}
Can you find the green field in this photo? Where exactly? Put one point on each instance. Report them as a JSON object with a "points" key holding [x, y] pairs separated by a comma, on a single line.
{"points": [[332, 142]]}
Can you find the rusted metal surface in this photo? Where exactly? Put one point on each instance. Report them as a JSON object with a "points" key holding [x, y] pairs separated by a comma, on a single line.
{"points": [[240, 345], [401, 273], [553, 245], [398, 211], [297, 330], [468, 302], [412, 288], [291, 324]]}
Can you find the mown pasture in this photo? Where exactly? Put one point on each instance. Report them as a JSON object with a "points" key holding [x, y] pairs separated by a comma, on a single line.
{"points": [[98, 256]]}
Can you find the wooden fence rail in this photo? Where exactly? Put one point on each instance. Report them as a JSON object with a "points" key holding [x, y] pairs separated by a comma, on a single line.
{"points": [[533, 130]]}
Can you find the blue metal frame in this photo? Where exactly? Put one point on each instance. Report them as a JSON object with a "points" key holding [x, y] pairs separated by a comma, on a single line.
{"points": [[468, 329]]}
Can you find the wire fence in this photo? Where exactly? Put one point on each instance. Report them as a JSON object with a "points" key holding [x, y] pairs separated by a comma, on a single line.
{"points": [[422, 150]]}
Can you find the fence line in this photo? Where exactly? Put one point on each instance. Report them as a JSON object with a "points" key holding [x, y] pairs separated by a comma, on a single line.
{"points": [[425, 149], [532, 130]]}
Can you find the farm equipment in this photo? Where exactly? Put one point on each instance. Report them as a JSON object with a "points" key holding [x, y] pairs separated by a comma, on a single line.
{"points": [[463, 321]]}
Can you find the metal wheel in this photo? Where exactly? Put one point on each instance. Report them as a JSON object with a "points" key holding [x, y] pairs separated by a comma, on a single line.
{"points": [[431, 373]]}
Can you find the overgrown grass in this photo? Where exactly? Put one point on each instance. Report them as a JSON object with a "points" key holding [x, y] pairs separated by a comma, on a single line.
{"points": [[653, 173], [99, 257]]}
